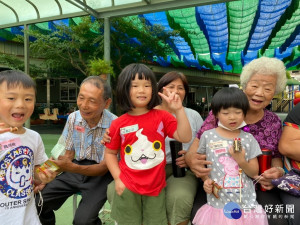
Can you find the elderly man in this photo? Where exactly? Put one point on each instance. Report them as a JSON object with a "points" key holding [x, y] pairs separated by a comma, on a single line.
{"points": [[83, 165]]}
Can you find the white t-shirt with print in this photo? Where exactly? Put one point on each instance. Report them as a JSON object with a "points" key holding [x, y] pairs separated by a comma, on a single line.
{"points": [[19, 153]]}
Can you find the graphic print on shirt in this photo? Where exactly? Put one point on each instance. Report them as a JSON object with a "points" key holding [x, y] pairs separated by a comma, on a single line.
{"points": [[143, 154], [231, 169], [16, 173]]}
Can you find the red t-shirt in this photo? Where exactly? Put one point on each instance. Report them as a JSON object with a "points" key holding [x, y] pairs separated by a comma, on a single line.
{"points": [[141, 140]]}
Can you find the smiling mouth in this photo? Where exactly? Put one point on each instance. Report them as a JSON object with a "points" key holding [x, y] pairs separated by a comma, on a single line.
{"points": [[256, 101], [142, 98], [18, 115], [85, 113], [143, 158]]}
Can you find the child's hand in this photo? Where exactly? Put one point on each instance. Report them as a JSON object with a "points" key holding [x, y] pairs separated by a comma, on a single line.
{"points": [[239, 157], [106, 138], [3, 130], [38, 186], [46, 176], [119, 186], [173, 99], [208, 185]]}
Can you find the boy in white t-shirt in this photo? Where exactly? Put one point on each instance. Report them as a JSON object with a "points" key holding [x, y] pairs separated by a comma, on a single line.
{"points": [[21, 150]]}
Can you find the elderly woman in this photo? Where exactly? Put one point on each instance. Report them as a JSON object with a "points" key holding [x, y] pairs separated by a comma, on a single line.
{"points": [[180, 192], [261, 79], [289, 147]]}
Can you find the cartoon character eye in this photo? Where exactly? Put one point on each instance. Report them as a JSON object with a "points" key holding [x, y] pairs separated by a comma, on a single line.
{"points": [[25, 162], [156, 145], [128, 149]]}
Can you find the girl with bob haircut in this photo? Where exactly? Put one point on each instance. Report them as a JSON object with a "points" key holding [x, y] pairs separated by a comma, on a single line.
{"points": [[138, 137], [233, 154], [125, 82], [229, 97]]}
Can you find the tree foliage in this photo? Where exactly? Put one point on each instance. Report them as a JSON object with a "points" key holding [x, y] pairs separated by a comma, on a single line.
{"points": [[13, 62], [71, 48]]}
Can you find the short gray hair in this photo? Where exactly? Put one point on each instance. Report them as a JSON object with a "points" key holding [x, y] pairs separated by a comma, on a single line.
{"points": [[265, 66], [99, 83]]}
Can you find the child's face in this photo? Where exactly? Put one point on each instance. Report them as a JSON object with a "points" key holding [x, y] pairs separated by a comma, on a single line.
{"points": [[231, 117], [17, 104], [140, 92]]}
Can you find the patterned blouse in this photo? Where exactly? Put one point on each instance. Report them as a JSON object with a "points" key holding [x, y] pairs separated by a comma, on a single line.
{"points": [[266, 131]]}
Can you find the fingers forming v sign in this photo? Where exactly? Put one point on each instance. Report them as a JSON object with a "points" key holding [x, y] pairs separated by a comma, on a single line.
{"points": [[172, 99]]}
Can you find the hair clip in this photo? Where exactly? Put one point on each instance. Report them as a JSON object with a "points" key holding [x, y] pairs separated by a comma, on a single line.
{"points": [[215, 189]]}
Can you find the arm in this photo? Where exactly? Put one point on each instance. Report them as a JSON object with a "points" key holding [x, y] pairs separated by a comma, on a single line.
{"points": [[65, 164], [113, 166], [196, 161], [184, 131], [289, 143], [196, 122], [249, 167]]}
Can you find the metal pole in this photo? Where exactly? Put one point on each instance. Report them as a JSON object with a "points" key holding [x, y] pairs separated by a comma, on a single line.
{"points": [[107, 43], [48, 93], [26, 60]]}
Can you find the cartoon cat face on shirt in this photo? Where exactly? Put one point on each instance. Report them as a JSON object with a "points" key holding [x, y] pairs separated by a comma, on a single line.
{"points": [[143, 154]]}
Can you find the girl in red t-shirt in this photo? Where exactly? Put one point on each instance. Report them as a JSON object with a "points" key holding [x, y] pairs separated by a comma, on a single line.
{"points": [[139, 137]]}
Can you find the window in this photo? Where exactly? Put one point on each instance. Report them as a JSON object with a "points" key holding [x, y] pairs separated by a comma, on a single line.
{"points": [[68, 89]]}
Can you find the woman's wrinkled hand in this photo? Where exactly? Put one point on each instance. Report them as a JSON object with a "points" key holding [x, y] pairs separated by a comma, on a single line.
{"points": [[198, 163], [268, 176]]}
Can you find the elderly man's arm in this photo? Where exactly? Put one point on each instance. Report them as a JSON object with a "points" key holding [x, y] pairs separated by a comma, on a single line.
{"points": [[289, 143], [66, 165]]}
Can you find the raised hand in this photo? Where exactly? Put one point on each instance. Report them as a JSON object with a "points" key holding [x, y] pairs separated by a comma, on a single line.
{"points": [[173, 99]]}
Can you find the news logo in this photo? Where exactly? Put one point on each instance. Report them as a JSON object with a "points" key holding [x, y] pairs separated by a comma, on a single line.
{"points": [[232, 211]]}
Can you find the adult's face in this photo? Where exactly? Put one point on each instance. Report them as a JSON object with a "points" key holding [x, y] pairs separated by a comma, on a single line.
{"points": [[177, 87], [91, 103], [260, 90]]}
